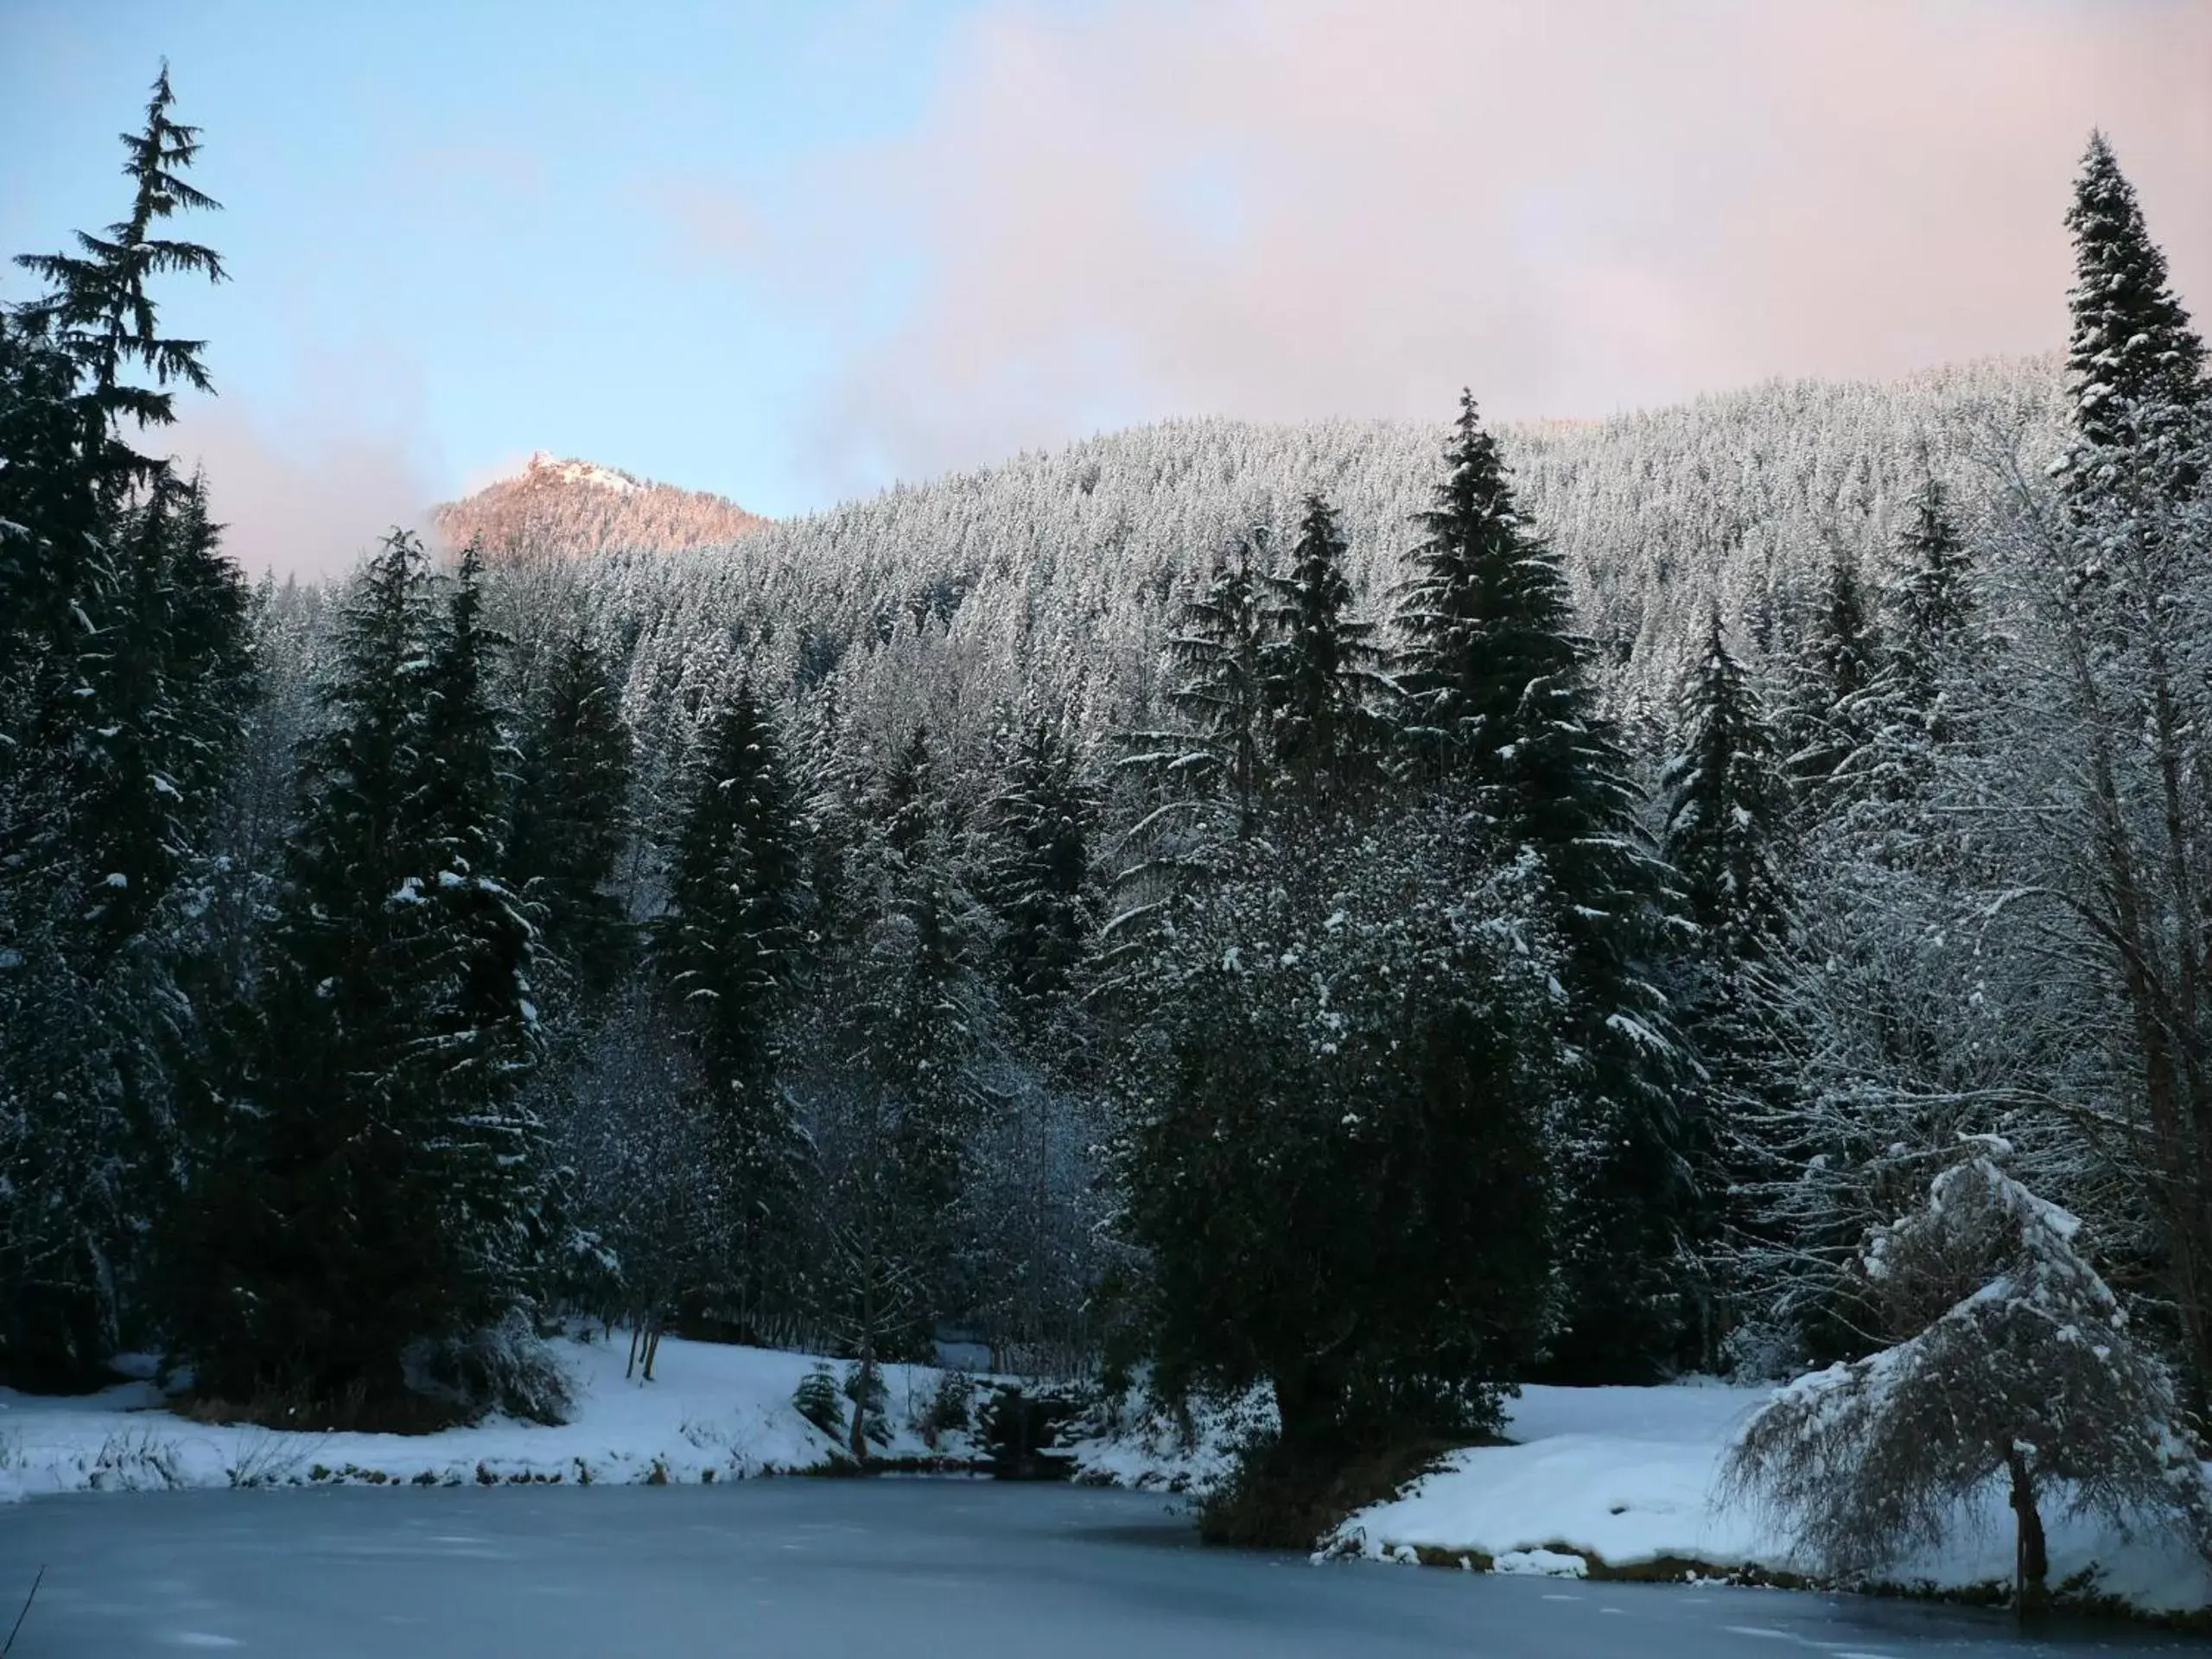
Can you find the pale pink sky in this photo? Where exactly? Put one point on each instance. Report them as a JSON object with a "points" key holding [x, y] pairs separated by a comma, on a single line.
{"points": [[790, 253], [1298, 207]]}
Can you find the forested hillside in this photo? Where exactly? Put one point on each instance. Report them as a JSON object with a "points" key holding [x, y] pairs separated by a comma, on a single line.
{"points": [[1062, 575], [1375, 912]]}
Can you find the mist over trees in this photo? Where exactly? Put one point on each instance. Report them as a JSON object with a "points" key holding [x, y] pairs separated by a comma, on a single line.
{"points": [[1380, 912]]}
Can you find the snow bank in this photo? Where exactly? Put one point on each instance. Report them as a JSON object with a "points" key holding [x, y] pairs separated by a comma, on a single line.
{"points": [[716, 1412], [1625, 1477], [1150, 1449]]}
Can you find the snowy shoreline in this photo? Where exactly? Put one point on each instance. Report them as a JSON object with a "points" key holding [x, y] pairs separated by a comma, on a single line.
{"points": [[716, 1412], [1601, 1481]]}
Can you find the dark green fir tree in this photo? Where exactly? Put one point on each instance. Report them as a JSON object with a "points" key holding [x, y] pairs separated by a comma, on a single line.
{"points": [[1039, 875], [1502, 713], [2135, 364], [377, 1210], [571, 818], [1322, 667], [731, 948], [124, 665]]}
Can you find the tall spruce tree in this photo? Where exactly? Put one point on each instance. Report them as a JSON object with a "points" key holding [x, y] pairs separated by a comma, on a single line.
{"points": [[571, 816], [99, 310], [1204, 771], [2134, 362], [124, 664], [2124, 608], [1904, 720], [917, 1025], [1038, 873], [1930, 601], [731, 949], [1726, 823], [1504, 711], [1827, 716], [1725, 809], [1485, 625], [380, 1202], [1218, 695], [1321, 666]]}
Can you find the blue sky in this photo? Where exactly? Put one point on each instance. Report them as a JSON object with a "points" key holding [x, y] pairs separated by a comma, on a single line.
{"points": [[792, 252], [477, 213]]}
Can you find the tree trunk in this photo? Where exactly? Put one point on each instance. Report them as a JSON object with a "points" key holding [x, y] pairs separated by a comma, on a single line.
{"points": [[2031, 1559], [863, 1379]]}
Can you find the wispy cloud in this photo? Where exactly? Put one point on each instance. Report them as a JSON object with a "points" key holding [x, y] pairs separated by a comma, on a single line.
{"points": [[308, 483]]}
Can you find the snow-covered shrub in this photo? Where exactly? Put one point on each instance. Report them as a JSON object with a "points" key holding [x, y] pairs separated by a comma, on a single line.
{"points": [[949, 1409], [2017, 1364], [505, 1368], [817, 1399]]}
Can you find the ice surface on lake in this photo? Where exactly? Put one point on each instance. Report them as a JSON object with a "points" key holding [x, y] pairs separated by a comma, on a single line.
{"points": [[796, 1568]]}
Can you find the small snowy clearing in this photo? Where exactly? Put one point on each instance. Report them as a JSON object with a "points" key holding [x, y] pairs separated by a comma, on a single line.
{"points": [[1625, 1477], [715, 1412]]}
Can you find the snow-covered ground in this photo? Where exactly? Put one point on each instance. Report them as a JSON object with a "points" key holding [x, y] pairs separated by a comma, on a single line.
{"points": [[713, 1412], [1626, 1477]]}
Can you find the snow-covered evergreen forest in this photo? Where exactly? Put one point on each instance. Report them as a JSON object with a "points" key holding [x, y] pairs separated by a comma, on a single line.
{"points": [[1380, 912]]}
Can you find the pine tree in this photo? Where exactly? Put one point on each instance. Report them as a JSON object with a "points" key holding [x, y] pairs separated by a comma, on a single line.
{"points": [[730, 949], [916, 1025], [124, 665], [500, 1211], [2121, 601], [1219, 693], [1502, 712], [1829, 717], [903, 800], [1039, 875], [168, 673], [53, 560], [2135, 362], [1725, 809], [1908, 716], [1322, 666], [1930, 605], [1725, 825], [381, 1199], [1488, 654], [100, 313], [833, 777], [1203, 775], [571, 818]]}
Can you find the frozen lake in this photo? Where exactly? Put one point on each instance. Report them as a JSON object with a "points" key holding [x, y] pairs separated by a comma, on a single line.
{"points": [[788, 1569]]}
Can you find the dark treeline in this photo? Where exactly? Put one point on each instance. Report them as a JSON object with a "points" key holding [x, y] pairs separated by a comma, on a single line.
{"points": [[1376, 987]]}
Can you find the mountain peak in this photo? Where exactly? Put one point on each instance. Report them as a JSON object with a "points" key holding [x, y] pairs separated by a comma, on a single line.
{"points": [[564, 507], [545, 466]]}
